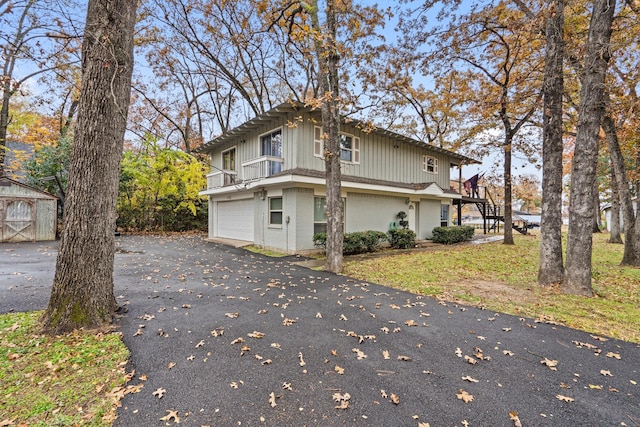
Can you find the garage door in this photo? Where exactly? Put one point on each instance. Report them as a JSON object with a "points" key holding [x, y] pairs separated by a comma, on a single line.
{"points": [[235, 219]]}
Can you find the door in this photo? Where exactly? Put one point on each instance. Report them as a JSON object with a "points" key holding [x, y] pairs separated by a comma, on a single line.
{"points": [[19, 221], [235, 220]]}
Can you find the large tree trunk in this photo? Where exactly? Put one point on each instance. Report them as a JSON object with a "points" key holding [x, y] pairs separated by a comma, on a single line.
{"points": [[328, 58], [577, 279], [631, 254], [551, 269], [614, 217], [4, 122], [508, 214], [82, 293]]}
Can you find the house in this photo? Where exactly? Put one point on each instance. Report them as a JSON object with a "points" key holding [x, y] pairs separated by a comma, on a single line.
{"points": [[606, 209], [267, 184], [26, 213]]}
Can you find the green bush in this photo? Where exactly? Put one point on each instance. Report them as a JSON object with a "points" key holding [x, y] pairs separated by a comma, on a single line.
{"points": [[450, 235], [358, 242], [402, 238]]}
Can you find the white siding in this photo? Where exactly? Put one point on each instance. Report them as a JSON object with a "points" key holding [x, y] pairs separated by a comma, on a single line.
{"points": [[235, 219]]}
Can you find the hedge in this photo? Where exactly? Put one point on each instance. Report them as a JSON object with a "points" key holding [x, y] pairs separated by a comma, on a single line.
{"points": [[450, 235]]}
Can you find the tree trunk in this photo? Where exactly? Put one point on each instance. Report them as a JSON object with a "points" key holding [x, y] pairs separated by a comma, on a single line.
{"points": [[577, 278], [4, 122], [631, 255], [551, 269], [82, 293], [597, 222], [328, 58], [614, 217], [508, 214]]}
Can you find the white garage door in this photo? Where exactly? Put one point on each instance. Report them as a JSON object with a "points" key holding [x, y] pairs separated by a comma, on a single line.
{"points": [[235, 219]]}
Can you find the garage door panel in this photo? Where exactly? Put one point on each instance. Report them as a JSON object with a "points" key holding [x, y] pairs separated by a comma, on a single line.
{"points": [[235, 219]]}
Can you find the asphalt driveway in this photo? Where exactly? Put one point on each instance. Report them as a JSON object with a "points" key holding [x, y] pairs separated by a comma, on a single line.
{"points": [[221, 336]]}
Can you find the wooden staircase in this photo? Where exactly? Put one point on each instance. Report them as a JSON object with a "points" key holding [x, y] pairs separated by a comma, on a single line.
{"points": [[491, 212]]}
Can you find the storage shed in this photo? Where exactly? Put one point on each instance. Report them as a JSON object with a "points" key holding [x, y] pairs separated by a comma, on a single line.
{"points": [[26, 213]]}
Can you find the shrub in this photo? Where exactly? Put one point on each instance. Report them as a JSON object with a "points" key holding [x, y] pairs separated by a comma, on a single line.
{"points": [[402, 238], [358, 242], [450, 235]]}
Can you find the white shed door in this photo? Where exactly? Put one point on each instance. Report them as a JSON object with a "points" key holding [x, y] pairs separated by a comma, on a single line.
{"points": [[235, 219]]}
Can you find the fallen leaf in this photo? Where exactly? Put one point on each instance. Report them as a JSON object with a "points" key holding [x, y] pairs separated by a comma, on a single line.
{"points": [[302, 362], [288, 322], [464, 396], [237, 341], [470, 360], [595, 387], [200, 344], [410, 322], [171, 365], [506, 329], [359, 354], [191, 358], [550, 363], [597, 338], [233, 315], [286, 386], [508, 352], [513, 416], [458, 352], [385, 355], [339, 370], [255, 334], [318, 315], [564, 398], [233, 384], [171, 415], [606, 373], [342, 399], [334, 352], [471, 380], [394, 398], [272, 400], [266, 362], [404, 358], [423, 425], [159, 393], [343, 317], [384, 394], [614, 355]]}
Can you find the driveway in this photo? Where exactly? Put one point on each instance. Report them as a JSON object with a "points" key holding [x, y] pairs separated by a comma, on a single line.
{"points": [[221, 336]]}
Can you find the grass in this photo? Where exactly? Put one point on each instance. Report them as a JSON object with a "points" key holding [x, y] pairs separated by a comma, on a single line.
{"points": [[503, 278], [58, 381], [264, 251]]}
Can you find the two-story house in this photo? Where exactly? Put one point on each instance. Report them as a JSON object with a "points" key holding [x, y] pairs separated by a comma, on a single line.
{"points": [[267, 184]]}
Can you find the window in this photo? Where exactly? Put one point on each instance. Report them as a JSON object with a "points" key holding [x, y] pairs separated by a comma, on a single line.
{"points": [[229, 160], [349, 146], [320, 214], [229, 164], [275, 211], [317, 141], [444, 215], [271, 145], [429, 164]]}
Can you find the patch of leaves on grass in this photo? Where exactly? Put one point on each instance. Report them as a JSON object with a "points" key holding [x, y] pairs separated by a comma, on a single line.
{"points": [[65, 380]]}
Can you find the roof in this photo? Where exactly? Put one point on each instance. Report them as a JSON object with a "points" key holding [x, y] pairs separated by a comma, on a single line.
{"points": [[7, 182], [288, 107]]}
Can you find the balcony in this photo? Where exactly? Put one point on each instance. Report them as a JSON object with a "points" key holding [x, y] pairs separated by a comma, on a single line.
{"points": [[221, 178], [253, 170], [261, 167]]}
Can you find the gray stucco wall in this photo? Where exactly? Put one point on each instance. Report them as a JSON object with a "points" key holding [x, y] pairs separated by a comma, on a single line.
{"points": [[429, 214], [372, 212]]}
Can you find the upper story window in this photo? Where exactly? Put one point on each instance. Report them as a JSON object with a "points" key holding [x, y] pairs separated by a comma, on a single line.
{"points": [[271, 144], [429, 164], [229, 164], [349, 146], [229, 159]]}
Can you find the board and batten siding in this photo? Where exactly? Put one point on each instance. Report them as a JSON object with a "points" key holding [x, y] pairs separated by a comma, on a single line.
{"points": [[44, 208], [378, 157]]}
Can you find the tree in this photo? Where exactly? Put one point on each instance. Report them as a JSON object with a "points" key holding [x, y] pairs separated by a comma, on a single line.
{"points": [[496, 51], [33, 43], [551, 268], [82, 293], [577, 277]]}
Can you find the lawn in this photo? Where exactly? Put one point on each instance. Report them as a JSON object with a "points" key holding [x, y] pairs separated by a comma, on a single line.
{"points": [[502, 278], [75, 379]]}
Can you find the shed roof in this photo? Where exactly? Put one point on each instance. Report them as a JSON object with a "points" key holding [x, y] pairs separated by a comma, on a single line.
{"points": [[6, 182]]}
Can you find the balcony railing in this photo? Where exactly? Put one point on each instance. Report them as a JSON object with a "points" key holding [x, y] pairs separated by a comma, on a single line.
{"points": [[262, 167], [221, 178]]}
